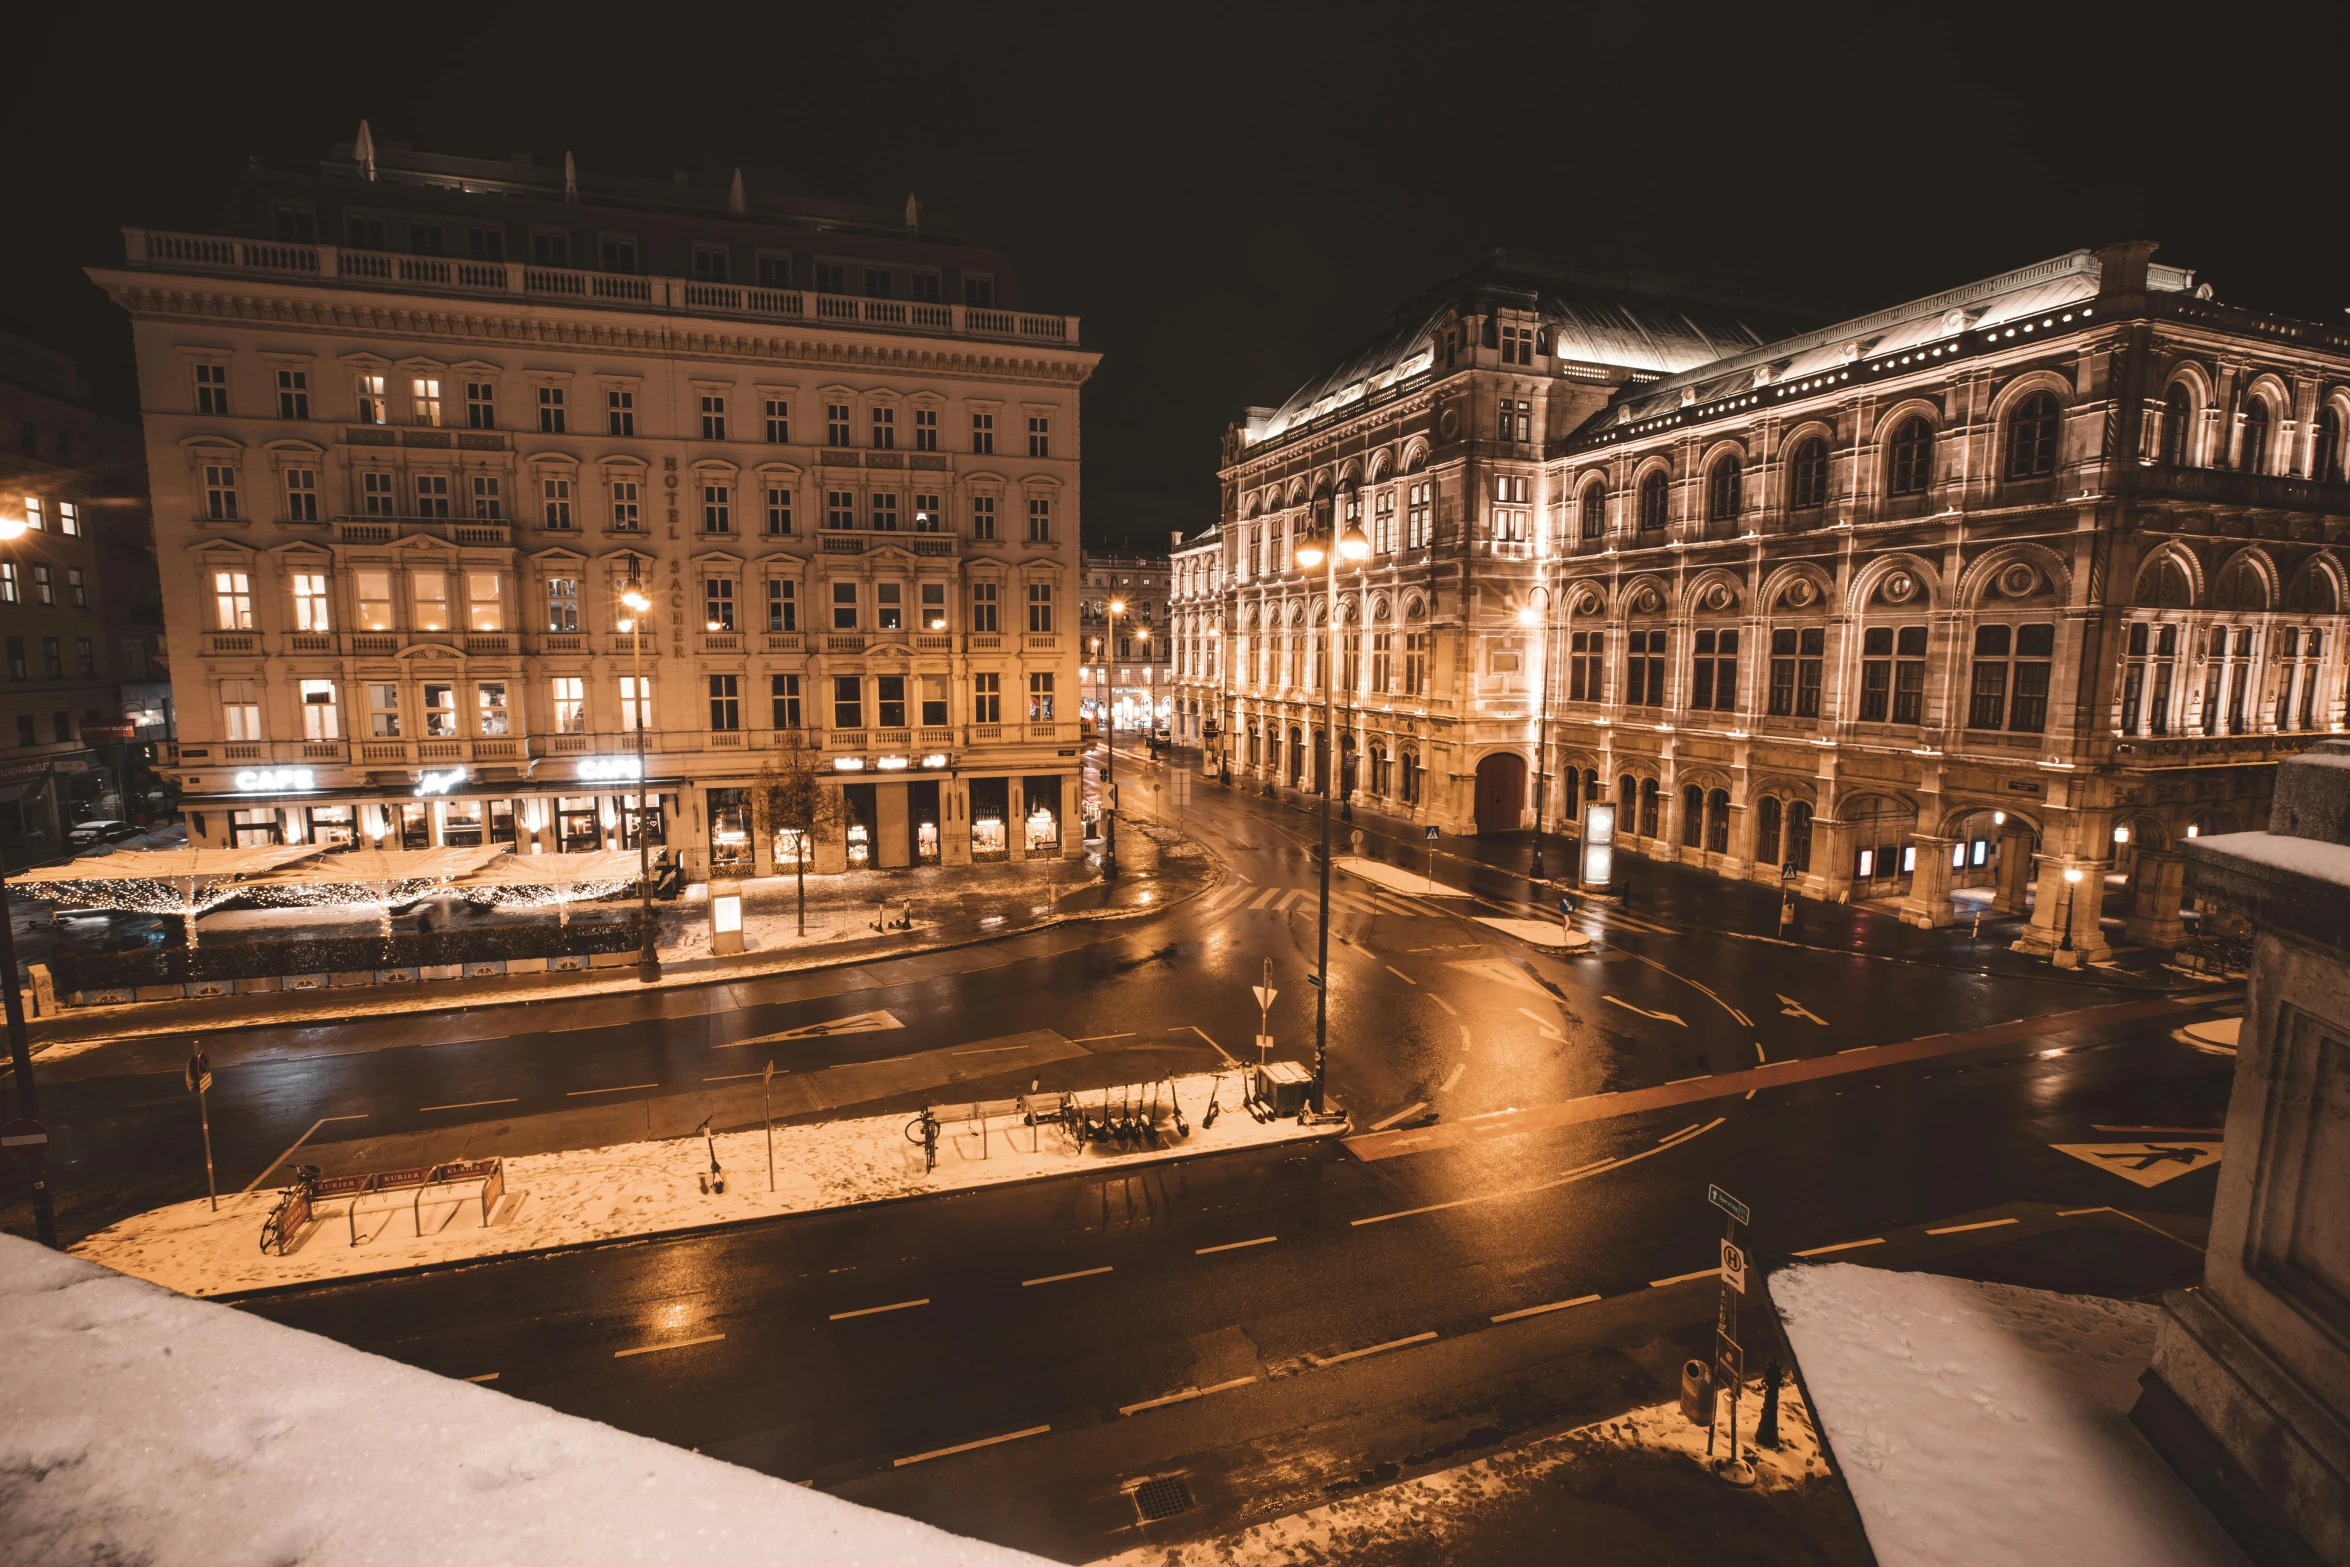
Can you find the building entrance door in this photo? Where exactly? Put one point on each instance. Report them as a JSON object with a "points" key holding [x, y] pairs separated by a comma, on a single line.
{"points": [[1501, 792]]}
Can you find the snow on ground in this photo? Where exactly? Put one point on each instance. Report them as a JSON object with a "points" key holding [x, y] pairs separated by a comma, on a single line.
{"points": [[138, 1426], [1457, 1504], [647, 1188], [1983, 1423], [1540, 933], [1381, 874]]}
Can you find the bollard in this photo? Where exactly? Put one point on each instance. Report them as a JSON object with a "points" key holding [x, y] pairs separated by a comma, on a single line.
{"points": [[1766, 1430]]}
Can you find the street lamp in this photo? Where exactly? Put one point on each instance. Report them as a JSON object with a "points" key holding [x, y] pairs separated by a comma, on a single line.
{"points": [[632, 597], [1527, 617], [1312, 551], [2064, 943], [1110, 749], [1223, 725]]}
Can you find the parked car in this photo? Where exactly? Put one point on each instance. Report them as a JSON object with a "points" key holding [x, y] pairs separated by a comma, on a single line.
{"points": [[104, 830]]}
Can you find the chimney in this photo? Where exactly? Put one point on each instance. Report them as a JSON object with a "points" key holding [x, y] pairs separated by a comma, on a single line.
{"points": [[2121, 269], [734, 193], [363, 149], [1175, 539], [570, 178], [913, 214]]}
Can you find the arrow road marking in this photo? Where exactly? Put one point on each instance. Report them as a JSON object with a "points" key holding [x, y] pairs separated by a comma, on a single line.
{"points": [[1795, 1008], [1662, 1017], [860, 1023], [1542, 1025]]}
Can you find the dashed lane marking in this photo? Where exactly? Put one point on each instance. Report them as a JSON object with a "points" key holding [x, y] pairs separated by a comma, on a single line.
{"points": [[1090, 1039], [1399, 973], [654, 1349], [1375, 1349], [1458, 1067], [487, 1376], [1536, 1311], [470, 1104], [874, 1311], [1219, 1049], [1262, 1240], [1597, 1167], [1822, 1251], [624, 1088], [1682, 1278], [1662, 1017], [1440, 1001], [965, 1447], [1673, 1082], [1980, 1224], [1062, 1278], [1405, 1113], [1183, 1397]]}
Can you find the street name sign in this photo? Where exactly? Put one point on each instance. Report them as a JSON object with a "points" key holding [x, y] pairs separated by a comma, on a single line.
{"points": [[1729, 1205]]}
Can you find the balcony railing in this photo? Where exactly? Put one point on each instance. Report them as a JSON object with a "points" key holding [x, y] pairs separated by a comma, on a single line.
{"points": [[161, 250]]}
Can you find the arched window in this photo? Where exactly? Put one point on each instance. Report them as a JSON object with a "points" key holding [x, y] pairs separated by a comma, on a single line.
{"points": [[1725, 495], [2031, 437], [1595, 512], [1799, 835], [2253, 452], [2325, 449], [1652, 501], [2240, 587], [1913, 457], [1692, 816], [1648, 797], [1717, 822], [1766, 831], [1627, 804], [2178, 424], [1807, 475]]}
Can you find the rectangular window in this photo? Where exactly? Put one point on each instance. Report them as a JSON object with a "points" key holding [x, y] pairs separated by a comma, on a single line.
{"points": [[1040, 696], [43, 591], [370, 390], [431, 592], [710, 263], [33, 506], [562, 603], [1810, 643], [625, 516], [220, 491], [488, 503], [77, 590], [301, 495], [373, 589], [726, 708], [240, 710], [569, 704], [832, 277], [836, 424], [1040, 606], [885, 429], [1909, 676], [783, 693], [85, 657], [926, 429], [485, 605], [885, 512], [844, 606], [1382, 658], [840, 509], [1644, 669], [1415, 663], [550, 248], [551, 410], [1040, 520], [310, 608], [713, 416], [616, 253], [778, 421], [485, 244], [383, 710], [481, 406], [293, 394], [489, 705], [1040, 436], [1988, 707], [555, 502], [375, 494], [983, 433], [983, 606], [778, 511], [636, 703], [889, 701], [934, 606], [987, 699], [69, 517], [432, 495], [979, 290], [1713, 672], [848, 702], [232, 597], [2035, 646], [717, 508], [1418, 529], [926, 514], [440, 712], [424, 399], [211, 389], [889, 607], [717, 603], [619, 411], [983, 518], [773, 270], [783, 607], [1876, 674]]}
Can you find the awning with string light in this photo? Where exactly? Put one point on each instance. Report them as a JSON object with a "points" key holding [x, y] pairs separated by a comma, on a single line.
{"points": [[182, 882], [379, 879], [537, 881]]}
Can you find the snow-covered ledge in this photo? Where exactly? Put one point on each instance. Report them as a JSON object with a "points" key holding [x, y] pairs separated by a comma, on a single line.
{"points": [[2249, 1394], [137, 1425]]}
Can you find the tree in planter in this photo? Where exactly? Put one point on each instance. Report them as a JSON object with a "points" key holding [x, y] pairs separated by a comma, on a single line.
{"points": [[789, 795]]}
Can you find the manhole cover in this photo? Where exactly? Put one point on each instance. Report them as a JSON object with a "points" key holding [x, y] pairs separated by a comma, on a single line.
{"points": [[1157, 1499]]}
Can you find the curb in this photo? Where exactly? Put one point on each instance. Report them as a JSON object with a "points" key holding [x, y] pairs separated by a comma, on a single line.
{"points": [[482, 1001], [1172, 1156]]}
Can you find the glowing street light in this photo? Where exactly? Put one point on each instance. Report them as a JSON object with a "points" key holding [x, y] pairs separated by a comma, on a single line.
{"points": [[632, 595]]}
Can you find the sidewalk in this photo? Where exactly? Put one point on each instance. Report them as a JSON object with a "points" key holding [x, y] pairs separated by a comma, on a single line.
{"points": [[590, 1195], [951, 906]]}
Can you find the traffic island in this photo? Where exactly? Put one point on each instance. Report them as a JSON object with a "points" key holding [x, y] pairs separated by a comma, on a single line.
{"points": [[592, 1196]]}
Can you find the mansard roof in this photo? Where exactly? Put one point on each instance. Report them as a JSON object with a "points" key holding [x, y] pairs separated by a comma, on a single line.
{"points": [[2056, 284], [1600, 318]]}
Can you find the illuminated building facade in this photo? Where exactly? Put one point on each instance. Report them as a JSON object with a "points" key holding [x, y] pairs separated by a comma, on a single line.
{"points": [[415, 423]]}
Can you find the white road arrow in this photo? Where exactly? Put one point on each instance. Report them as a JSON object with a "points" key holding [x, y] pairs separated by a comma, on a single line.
{"points": [[860, 1023], [1662, 1017], [1795, 1008]]}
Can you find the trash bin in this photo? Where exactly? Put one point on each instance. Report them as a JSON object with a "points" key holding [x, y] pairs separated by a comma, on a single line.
{"points": [[1697, 1392], [1283, 1087]]}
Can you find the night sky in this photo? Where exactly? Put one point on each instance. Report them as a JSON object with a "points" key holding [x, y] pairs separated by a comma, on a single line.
{"points": [[1232, 196]]}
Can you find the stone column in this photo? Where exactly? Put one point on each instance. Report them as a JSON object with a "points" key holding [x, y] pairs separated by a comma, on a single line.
{"points": [[2015, 872], [1831, 858], [1072, 830], [1928, 904], [2249, 1393], [2156, 892]]}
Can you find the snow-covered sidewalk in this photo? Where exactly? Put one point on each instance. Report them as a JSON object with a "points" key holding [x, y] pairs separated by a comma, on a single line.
{"points": [[647, 1188], [1988, 1423]]}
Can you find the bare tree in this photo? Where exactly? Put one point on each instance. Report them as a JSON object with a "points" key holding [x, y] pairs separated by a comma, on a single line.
{"points": [[790, 795]]}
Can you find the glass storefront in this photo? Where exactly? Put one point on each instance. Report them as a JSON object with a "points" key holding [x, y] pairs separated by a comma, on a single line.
{"points": [[577, 830], [790, 847], [333, 826], [1042, 828], [991, 808], [922, 812], [863, 815], [730, 832], [461, 823], [253, 828]]}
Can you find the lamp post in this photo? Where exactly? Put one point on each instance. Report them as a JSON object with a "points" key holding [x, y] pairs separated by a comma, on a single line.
{"points": [[20, 1051], [1527, 617], [1223, 714], [1110, 748], [1314, 551], [2064, 956], [633, 598]]}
